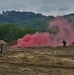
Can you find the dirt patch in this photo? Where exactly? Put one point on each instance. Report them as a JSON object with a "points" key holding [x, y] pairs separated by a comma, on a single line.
{"points": [[38, 61]]}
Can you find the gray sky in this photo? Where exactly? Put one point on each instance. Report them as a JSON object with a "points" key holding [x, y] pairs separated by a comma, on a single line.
{"points": [[46, 7]]}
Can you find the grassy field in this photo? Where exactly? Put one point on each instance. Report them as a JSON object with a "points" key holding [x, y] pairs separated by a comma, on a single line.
{"points": [[38, 61]]}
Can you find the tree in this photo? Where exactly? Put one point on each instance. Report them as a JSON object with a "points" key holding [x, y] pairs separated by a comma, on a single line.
{"points": [[10, 32]]}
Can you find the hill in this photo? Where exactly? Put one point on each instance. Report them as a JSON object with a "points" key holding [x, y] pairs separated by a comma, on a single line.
{"points": [[25, 19], [30, 19]]}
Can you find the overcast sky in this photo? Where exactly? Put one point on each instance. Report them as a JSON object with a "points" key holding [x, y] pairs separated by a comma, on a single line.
{"points": [[46, 7]]}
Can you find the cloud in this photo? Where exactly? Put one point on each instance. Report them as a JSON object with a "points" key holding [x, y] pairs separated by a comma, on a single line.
{"points": [[47, 7], [63, 9]]}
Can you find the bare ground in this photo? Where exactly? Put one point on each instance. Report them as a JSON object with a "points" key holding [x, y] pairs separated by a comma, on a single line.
{"points": [[38, 61]]}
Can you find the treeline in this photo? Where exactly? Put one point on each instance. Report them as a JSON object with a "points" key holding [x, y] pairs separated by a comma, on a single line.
{"points": [[9, 32], [25, 19]]}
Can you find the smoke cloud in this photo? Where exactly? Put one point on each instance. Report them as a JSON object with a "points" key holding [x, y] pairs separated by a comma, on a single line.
{"points": [[46, 39]]}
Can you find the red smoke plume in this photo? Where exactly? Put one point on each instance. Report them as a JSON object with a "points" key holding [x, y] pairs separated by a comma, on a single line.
{"points": [[45, 39], [66, 31]]}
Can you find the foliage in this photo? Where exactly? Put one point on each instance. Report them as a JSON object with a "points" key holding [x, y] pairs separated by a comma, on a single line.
{"points": [[9, 32], [25, 19]]}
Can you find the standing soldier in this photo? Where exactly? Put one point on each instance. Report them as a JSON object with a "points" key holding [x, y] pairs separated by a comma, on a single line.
{"points": [[3, 45], [64, 43]]}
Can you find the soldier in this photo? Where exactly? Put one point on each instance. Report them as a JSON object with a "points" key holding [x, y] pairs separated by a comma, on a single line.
{"points": [[64, 43], [3, 45]]}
